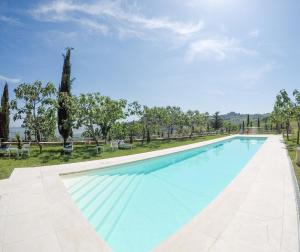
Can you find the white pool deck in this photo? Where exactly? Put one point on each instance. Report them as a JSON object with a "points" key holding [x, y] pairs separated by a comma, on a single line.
{"points": [[256, 212]]}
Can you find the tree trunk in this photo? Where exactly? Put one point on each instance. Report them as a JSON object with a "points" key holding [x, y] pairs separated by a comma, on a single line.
{"points": [[298, 132], [94, 135], [65, 141], [131, 133], [148, 136], [192, 131], [38, 140], [40, 146], [131, 137], [143, 136], [287, 131]]}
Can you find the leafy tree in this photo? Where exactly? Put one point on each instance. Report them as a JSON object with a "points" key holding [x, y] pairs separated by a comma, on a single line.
{"points": [[171, 117], [119, 130], [4, 117], [151, 120], [276, 118], [217, 121], [192, 120], [98, 114], [64, 114], [284, 109], [87, 114], [296, 95], [35, 105], [181, 123], [206, 120], [134, 110], [207, 127], [229, 127]]}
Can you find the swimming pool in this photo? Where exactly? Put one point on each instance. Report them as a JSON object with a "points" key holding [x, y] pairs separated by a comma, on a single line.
{"points": [[135, 206]]}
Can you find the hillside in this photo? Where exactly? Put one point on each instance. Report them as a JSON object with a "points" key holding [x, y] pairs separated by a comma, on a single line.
{"points": [[237, 118]]}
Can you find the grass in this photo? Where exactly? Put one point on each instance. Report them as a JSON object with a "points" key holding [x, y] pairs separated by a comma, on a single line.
{"points": [[291, 147], [51, 155]]}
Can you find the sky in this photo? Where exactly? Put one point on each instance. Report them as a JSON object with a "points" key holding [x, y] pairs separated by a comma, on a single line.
{"points": [[210, 55]]}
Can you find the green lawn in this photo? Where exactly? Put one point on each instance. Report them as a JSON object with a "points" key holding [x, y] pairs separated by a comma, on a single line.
{"points": [[291, 147], [52, 154]]}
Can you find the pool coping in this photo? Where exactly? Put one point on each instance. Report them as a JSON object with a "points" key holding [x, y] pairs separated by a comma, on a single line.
{"points": [[36, 200]]}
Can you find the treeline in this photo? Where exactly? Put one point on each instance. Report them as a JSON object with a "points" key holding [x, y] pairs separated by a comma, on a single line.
{"points": [[285, 110], [238, 118], [42, 108]]}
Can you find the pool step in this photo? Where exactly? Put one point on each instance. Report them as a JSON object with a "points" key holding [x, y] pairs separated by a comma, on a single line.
{"points": [[107, 225], [100, 202], [89, 187], [75, 183], [92, 202], [106, 206]]}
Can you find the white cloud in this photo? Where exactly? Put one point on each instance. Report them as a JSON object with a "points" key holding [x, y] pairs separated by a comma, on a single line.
{"points": [[254, 33], [92, 25], [257, 74], [216, 49], [118, 16], [9, 20], [9, 80], [127, 21]]}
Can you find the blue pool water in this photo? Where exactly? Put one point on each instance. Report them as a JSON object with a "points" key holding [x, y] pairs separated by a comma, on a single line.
{"points": [[136, 206]]}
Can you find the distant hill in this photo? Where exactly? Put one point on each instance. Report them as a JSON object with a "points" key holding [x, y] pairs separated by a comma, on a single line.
{"points": [[237, 118]]}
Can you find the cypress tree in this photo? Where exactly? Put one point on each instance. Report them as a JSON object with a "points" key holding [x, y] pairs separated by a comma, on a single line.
{"points": [[1, 126], [64, 124], [248, 120], [217, 122], [4, 117], [258, 122], [243, 126]]}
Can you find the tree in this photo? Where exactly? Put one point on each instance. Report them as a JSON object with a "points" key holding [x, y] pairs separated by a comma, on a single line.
{"points": [[217, 121], [243, 127], [276, 118], [151, 120], [64, 114], [87, 114], [98, 114], [4, 117], [296, 104], [248, 120], [118, 130], [192, 118], [134, 110], [284, 109], [229, 127], [35, 105], [171, 117], [258, 122]]}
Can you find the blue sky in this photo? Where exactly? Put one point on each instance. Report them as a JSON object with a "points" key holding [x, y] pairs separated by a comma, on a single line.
{"points": [[211, 55]]}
